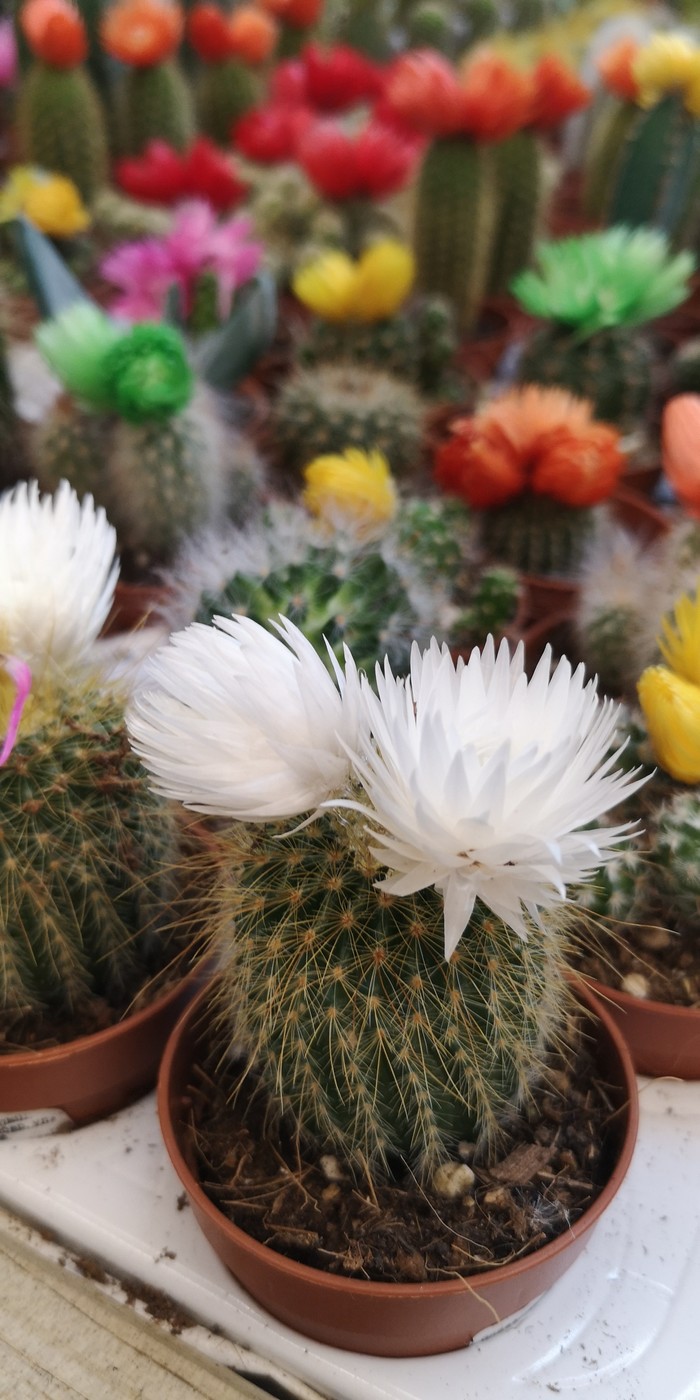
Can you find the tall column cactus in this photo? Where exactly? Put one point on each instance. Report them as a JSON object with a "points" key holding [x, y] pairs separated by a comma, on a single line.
{"points": [[154, 101]]}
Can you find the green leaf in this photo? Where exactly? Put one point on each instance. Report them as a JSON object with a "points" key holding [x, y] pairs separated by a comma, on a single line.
{"points": [[226, 356], [52, 283]]}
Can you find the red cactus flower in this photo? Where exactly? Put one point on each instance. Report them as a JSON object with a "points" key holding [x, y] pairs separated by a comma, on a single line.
{"points": [[273, 133], [559, 93], [288, 83], [142, 32], [55, 32], [211, 174], [497, 98], [339, 77], [371, 165], [207, 31], [163, 176], [681, 449], [423, 91], [300, 14], [616, 68]]}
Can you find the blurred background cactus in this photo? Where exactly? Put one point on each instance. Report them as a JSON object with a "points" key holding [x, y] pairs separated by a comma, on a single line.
{"points": [[334, 406], [153, 100]]}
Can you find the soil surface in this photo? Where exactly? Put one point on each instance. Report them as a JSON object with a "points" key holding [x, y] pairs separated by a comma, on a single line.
{"points": [[552, 1162], [652, 963]]}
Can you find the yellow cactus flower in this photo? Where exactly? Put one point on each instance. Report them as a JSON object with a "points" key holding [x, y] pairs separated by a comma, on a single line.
{"points": [[52, 202], [668, 63], [671, 708], [370, 289], [351, 490], [19, 182], [327, 286], [680, 640], [384, 277]]}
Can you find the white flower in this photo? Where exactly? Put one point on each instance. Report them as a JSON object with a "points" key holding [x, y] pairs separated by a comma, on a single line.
{"points": [[480, 782], [233, 720], [57, 575]]}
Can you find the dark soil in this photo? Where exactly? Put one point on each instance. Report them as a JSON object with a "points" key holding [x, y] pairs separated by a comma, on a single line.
{"points": [[551, 1164], [668, 963]]}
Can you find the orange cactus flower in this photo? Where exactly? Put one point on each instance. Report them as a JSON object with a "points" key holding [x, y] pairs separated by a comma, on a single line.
{"points": [[423, 90], [498, 98], [252, 34], [301, 14], [680, 437], [533, 439], [559, 92], [616, 68], [142, 32], [55, 32]]}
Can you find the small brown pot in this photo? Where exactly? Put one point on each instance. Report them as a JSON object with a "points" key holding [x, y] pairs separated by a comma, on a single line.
{"points": [[97, 1074], [387, 1319], [133, 605], [662, 1039]]}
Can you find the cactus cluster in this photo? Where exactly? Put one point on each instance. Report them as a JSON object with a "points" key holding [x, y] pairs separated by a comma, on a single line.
{"points": [[61, 126], [337, 406]]}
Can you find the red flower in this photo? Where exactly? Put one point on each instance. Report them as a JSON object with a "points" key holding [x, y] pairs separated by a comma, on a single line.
{"points": [[55, 33], [163, 176], [273, 133], [207, 31], [423, 91], [480, 464], [578, 468], [371, 165], [497, 98], [559, 93], [339, 78], [288, 83], [300, 14], [616, 68]]}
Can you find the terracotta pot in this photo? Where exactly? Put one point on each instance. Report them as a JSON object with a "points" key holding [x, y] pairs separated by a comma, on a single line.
{"points": [[381, 1318], [637, 514], [97, 1074], [662, 1039], [133, 605]]}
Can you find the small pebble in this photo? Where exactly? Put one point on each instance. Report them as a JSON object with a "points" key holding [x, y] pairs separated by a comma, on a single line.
{"points": [[465, 1151], [452, 1180], [655, 939], [497, 1198], [330, 1166], [635, 985]]}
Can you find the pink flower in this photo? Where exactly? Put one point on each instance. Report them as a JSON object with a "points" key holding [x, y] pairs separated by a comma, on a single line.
{"points": [[143, 272], [20, 673], [234, 257], [188, 243], [8, 54]]}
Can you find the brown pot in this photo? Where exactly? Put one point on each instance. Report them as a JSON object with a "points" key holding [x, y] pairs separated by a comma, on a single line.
{"points": [[133, 606], [662, 1039], [97, 1074], [387, 1319]]}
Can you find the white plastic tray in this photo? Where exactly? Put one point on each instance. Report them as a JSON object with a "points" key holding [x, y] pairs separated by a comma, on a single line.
{"points": [[623, 1324]]}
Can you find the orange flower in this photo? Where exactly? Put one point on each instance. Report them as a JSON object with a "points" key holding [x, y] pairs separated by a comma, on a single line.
{"points": [[497, 98], [299, 13], [252, 34], [537, 439], [616, 68], [423, 89], [55, 32], [681, 449], [142, 32], [207, 31], [558, 92]]}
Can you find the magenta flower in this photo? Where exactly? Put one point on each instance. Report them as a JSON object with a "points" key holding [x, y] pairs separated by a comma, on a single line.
{"points": [[234, 257], [20, 673], [8, 54], [143, 271]]}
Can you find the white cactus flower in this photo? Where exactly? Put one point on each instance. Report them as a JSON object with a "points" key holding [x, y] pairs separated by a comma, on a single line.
{"points": [[481, 782], [235, 721], [57, 576]]}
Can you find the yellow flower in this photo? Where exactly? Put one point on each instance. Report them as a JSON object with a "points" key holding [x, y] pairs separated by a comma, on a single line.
{"points": [[671, 708], [56, 207], [668, 63], [21, 179], [370, 289], [351, 490], [680, 642]]}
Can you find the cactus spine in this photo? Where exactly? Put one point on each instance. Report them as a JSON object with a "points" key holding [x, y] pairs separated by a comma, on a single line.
{"points": [[612, 368], [313, 932], [519, 176], [84, 872], [155, 104], [455, 219], [537, 535], [61, 126], [225, 91], [339, 406]]}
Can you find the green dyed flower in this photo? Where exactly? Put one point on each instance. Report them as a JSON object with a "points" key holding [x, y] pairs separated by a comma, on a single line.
{"points": [[148, 374], [75, 345], [620, 277]]}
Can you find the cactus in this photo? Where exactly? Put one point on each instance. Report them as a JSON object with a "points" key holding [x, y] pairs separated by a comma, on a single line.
{"points": [[293, 221], [612, 368], [155, 104], [313, 931], [87, 923], [685, 369], [656, 178], [72, 444], [455, 221], [11, 446], [659, 884], [337, 406], [117, 218], [492, 606], [61, 126], [225, 92], [519, 177], [537, 535], [417, 345], [607, 138]]}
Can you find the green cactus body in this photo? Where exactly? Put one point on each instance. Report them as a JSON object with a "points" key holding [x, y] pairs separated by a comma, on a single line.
{"points": [[659, 883], [225, 92], [339, 406], [116, 217], [155, 104], [73, 444], [492, 606], [355, 601], [84, 869], [363, 1033], [204, 312], [162, 484], [608, 137], [417, 345], [609, 640], [537, 535], [61, 126], [612, 368], [481, 16], [430, 26], [455, 219], [685, 370], [519, 176], [657, 180]]}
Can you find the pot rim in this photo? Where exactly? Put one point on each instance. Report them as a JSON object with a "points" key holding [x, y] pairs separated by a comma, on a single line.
{"points": [[627, 1002], [477, 1282]]}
